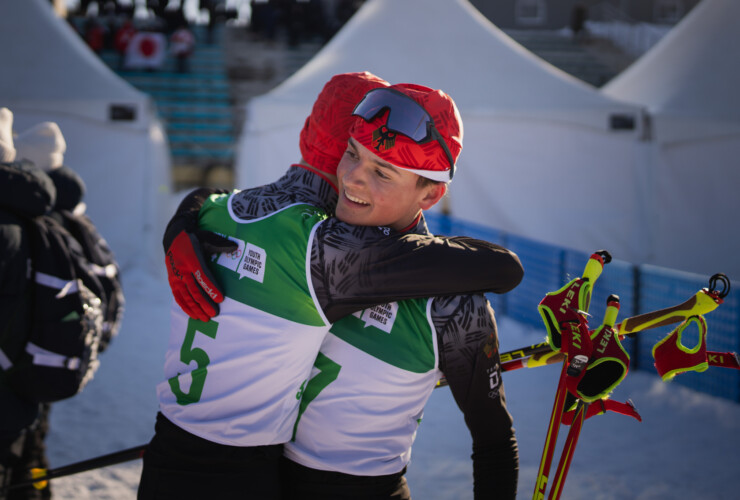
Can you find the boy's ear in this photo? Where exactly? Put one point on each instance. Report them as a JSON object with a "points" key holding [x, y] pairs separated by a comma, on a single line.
{"points": [[434, 193]]}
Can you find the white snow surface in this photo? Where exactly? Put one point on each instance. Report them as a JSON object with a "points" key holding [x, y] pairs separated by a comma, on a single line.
{"points": [[687, 447]]}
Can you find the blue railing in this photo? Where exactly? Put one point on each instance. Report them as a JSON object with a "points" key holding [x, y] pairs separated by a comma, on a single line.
{"points": [[641, 288]]}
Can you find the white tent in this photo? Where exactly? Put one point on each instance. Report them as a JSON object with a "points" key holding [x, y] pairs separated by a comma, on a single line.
{"points": [[114, 138], [689, 83], [543, 154]]}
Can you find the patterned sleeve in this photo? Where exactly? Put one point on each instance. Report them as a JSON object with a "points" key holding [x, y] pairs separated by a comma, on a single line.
{"points": [[355, 267], [297, 185], [469, 358]]}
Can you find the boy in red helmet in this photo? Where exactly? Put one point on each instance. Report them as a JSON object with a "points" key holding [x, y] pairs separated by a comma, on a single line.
{"points": [[372, 192], [353, 438], [412, 171]]}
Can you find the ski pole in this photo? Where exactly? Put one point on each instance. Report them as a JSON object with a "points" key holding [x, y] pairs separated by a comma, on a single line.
{"points": [[591, 273], [525, 352], [605, 340], [551, 438], [40, 477], [704, 301], [714, 358], [535, 360], [569, 449]]}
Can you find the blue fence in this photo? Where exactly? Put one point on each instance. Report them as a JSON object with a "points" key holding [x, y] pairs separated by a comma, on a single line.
{"points": [[641, 288]]}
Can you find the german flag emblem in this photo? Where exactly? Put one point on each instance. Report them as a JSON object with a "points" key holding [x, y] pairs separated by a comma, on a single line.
{"points": [[382, 137]]}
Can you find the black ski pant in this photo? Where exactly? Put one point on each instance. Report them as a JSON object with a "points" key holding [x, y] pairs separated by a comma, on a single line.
{"points": [[303, 483], [179, 465]]}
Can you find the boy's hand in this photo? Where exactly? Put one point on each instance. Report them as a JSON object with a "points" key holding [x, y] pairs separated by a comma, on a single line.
{"points": [[186, 247], [193, 286]]}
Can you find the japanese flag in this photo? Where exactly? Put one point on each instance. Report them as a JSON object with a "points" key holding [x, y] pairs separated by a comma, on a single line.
{"points": [[146, 50]]}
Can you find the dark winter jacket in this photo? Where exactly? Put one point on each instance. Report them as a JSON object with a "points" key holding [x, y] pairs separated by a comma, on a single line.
{"points": [[25, 191]]}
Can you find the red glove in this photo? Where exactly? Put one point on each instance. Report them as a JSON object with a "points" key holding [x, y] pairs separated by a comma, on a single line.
{"points": [[193, 285]]}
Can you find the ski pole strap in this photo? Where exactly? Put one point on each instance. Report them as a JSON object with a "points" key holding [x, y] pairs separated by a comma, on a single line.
{"points": [[602, 406], [577, 346], [559, 308], [572, 300], [607, 364], [673, 357], [723, 359]]}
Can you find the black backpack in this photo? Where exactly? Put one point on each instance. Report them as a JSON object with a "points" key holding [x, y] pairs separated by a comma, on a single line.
{"points": [[103, 264], [60, 354]]}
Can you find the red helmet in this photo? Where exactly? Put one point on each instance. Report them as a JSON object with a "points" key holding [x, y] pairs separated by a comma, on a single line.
{"points": [[326, 131], [412, 127]]}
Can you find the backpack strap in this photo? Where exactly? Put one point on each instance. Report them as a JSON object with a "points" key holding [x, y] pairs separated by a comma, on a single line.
{"points": [[43, 357], [64, 286]]}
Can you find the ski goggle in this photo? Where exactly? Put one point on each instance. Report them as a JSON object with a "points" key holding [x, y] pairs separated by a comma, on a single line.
{"points": [[405, 116]]}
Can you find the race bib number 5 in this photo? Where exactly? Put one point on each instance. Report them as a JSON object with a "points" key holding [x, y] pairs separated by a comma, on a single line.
{"points": [[189, 354]]}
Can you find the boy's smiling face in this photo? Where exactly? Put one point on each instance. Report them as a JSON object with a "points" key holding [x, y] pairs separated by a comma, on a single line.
{"points": [[373, 192]]}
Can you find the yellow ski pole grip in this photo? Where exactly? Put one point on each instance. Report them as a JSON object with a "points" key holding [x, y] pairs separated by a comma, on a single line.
{"points": [[595, 265], [612, 310], [591, 273]]}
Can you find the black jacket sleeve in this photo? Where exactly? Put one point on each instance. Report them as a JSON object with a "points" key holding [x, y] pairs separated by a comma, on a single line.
{"points": [[352, 270], [469, 358], [186, 215]]}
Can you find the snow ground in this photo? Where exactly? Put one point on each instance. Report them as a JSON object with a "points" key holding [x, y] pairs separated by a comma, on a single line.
{"points": [[687, 447]]}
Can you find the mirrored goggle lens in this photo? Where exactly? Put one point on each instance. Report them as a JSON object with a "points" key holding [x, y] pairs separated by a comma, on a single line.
{"points": [[405, 115]]}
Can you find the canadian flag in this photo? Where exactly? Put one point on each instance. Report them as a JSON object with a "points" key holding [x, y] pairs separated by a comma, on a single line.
{"points": [[146, 50]]}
